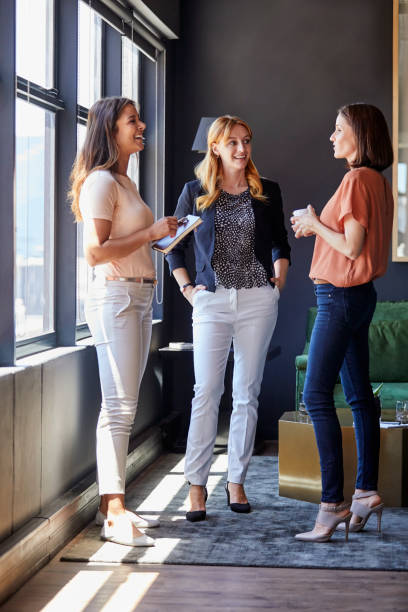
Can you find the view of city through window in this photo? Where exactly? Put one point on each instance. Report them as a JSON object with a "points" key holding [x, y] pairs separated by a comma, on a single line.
{"points": [[89, 90], [35, 152], [35, 155]]}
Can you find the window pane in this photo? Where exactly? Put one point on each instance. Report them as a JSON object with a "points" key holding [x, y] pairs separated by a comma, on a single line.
{"points": [[84, 272], [130, 89], [89, 56], [34, 286], [34, 41], [130, 70], [402, 244]]}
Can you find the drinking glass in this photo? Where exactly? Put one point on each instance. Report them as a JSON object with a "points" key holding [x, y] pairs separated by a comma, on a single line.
{"points": [[302, 405], [401, 411]]}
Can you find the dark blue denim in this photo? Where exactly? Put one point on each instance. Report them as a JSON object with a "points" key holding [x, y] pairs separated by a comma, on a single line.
{"points": [[339, 343]]}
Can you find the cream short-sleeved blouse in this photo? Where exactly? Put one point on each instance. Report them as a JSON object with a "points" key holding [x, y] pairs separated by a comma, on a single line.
{"points": [[114, 197]]}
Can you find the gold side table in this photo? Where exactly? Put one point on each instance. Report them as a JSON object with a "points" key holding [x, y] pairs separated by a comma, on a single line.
{"points": [[299, 467]]}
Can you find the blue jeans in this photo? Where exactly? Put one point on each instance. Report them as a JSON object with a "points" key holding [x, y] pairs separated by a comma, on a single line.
{"points": [[339, 343]]}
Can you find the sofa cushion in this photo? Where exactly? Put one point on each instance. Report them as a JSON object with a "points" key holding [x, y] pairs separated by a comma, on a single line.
{"points": [[390, 393], [389, 350], [301, 362]]}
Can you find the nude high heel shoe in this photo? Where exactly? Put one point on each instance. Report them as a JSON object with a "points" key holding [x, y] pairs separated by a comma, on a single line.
{"points": [[328, 517], [364, 512]]}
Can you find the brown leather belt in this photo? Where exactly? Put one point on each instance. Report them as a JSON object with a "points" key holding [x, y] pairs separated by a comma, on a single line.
{"points": [[133, 279], [320, 281]]}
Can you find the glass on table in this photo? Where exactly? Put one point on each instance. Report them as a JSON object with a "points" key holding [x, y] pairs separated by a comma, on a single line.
{"points": [[401, 411], [302, 405]]}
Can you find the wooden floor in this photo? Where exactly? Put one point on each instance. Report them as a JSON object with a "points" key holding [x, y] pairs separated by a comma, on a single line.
{"points": [[64, 586]]}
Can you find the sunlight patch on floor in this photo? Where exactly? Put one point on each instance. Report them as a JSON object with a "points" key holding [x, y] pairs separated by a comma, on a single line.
{"points": [[162, 495], [79, 591], [130, 593]]}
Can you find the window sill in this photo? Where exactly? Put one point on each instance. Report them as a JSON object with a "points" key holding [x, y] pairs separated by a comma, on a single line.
{"points": [[49, 354]]}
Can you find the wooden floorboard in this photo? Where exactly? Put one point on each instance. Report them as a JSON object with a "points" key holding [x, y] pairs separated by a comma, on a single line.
{"points": [[64, 586]]}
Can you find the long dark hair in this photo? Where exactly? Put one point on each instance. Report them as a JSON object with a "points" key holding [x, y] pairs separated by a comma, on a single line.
{"points": [[374, 148], [100, 151]]}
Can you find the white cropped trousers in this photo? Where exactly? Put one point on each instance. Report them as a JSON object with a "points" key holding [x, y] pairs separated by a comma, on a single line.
{"points": [[119, 315], [247, 317]]}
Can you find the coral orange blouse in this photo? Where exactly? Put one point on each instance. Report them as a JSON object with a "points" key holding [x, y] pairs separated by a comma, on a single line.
{"points": [[367, 195]]}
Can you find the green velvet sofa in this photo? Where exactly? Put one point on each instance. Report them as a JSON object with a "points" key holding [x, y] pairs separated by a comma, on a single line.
{"points": [[388, 337]]}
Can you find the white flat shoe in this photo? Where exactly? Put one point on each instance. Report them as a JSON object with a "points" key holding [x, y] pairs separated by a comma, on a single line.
{"points": [[121, 532], [138, 521]]}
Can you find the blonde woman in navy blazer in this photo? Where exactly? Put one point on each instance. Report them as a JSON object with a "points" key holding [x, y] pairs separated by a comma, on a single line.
{"points": [[241, 260]]}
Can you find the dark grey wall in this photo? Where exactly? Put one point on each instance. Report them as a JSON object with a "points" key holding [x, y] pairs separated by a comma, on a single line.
{"points": [[167, 11], [285, 67]]}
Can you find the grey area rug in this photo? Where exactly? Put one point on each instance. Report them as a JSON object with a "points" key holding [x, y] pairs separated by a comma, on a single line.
{"points": [[263, 538]]}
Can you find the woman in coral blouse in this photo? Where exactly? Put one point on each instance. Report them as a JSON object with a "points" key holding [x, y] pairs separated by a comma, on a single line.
{"points": [[353, 237]]}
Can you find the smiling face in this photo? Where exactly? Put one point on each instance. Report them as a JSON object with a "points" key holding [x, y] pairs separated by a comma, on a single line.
{"points": [[129, 131], [234, 151], [344, 140]]}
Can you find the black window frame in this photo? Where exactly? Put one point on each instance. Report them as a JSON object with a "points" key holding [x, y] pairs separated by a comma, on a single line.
{"points": [[62, 100], [48, 99]]}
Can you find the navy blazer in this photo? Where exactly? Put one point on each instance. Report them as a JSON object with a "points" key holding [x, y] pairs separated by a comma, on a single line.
{"points": [[271, 238]]}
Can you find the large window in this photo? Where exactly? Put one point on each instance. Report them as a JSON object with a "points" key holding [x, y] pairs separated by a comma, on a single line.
{"points": [[400, 129], [130, 89], [34, 41], [89, 55], [35, 156], [62, 56], [89, 90]]}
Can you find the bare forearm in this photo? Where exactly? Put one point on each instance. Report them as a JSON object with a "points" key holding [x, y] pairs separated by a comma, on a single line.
{"points": [[348, 245], [281, 267], [116, 248], [350, 242], [100, 248], [182, 276]]}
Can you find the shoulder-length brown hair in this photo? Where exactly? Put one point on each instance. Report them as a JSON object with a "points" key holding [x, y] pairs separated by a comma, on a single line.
{"points": [[209, 170], [100, 151], [374, 148]]}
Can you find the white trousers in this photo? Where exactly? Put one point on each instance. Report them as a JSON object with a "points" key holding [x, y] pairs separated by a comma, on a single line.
{"points": [[119, 315], [247, 317]]}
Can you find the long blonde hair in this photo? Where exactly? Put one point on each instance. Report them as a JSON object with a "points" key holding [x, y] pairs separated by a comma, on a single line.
{"points": [[100, 151], [209, 170]]}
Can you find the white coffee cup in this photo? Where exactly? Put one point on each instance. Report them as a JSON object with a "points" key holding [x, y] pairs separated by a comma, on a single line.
{"points": [[299, 212]]}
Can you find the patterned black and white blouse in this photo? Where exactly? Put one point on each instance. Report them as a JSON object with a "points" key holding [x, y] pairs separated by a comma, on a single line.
{"points": [[234, 261]]}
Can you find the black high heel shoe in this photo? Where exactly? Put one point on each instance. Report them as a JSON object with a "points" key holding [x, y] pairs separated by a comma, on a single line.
{"points": [[198, 515], [235, 507]]}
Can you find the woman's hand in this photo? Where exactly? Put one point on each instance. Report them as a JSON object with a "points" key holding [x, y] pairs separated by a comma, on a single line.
{"points": [[190, 291], [281, 269], [305, 225], [183, 280], [166, 226], [350, 243], [100, 248], [278, 282]]}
